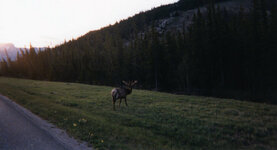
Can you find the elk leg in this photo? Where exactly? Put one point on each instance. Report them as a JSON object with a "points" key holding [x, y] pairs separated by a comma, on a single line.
{"points": [[126, 102], [120, 102], [113, 103]]}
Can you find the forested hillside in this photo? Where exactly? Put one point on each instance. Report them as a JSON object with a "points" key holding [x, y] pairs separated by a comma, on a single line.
{"points": [[221, 53]]}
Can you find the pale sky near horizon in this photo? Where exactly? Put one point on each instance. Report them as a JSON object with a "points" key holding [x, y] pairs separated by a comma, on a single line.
{"points": [[50, 22]]}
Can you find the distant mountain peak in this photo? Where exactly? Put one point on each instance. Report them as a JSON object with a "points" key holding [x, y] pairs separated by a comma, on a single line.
{"points": [[7, 46], [12, 50]]}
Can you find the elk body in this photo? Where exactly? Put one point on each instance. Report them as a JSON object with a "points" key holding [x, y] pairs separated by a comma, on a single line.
{"points": [[122, 92]]}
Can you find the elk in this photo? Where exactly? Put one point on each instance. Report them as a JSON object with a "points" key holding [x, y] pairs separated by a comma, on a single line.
{"points": [[122, 92]]}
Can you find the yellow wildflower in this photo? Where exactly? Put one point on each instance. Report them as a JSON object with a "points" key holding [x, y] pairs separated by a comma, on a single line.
{"points": [[83, 120]]}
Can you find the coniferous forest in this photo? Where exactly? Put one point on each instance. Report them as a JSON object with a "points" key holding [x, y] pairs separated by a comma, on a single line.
{"points": [[222, 54]]}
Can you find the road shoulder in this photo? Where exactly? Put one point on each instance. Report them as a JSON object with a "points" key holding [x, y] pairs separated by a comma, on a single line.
{"points": [[59, 135]]}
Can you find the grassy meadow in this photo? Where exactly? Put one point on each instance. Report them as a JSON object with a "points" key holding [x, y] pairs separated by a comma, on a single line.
{"points": [[153, 120]]}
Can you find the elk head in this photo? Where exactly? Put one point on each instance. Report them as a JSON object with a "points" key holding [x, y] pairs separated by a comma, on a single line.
{"points": [[130, 84]]}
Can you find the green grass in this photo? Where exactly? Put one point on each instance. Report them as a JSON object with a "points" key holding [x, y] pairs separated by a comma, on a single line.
{"points": [[153, 120]]}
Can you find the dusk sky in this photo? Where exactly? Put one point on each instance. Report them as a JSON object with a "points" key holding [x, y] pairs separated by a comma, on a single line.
{"points": [[50, 22]]}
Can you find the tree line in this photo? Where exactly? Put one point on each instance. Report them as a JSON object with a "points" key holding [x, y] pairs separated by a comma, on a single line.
{"points": [[222, 53]]}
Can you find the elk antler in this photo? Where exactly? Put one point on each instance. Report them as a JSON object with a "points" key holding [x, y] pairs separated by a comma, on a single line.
{"points": [[125, 82], [134, 82]]}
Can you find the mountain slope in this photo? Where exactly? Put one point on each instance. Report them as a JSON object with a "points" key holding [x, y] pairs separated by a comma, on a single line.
{"points": [[168, 17], [171, 17]]}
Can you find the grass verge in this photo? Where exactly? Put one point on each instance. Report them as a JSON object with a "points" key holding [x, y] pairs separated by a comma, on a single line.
{"points": [[153, 120]]}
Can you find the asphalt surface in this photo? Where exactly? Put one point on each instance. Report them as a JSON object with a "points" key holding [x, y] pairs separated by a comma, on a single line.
{"points": [[22, 130]]}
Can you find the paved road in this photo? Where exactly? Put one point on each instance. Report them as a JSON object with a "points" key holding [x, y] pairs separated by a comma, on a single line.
{"points": [[22, 130]]}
